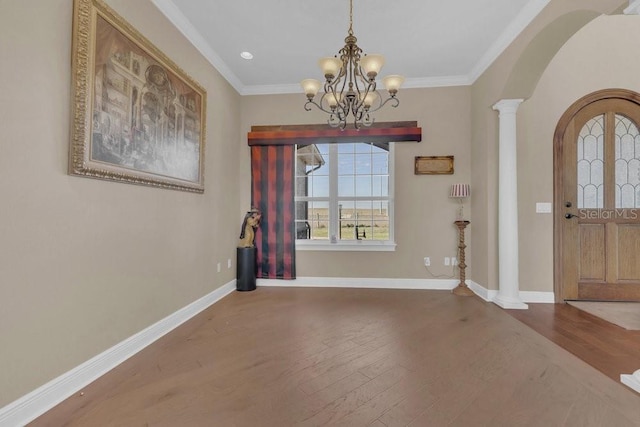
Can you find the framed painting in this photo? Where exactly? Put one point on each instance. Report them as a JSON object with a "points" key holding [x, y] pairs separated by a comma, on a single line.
{"points": [[433, 165], [137, 117]]}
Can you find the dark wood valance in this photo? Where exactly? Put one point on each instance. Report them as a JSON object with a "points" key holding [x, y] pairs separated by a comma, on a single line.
{"points": [[322, 134]]}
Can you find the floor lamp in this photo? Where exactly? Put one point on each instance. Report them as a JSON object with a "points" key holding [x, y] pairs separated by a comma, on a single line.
{"points": [[461, 192]]}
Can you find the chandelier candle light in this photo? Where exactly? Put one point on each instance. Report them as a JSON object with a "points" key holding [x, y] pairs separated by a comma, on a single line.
{"points": [[350, 84]]}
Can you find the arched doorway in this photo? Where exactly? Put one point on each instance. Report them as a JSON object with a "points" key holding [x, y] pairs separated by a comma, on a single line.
{"points": [[597, 198]]}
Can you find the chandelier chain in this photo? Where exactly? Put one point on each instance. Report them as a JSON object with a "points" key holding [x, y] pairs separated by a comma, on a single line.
{"points": [[350, 17]]}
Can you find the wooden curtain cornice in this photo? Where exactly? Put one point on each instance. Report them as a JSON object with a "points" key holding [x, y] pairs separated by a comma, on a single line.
{"points": [[322, 134]]}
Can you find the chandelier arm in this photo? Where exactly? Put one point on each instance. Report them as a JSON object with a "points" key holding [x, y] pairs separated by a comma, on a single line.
{"points": [[317, 105], [394, 103], [341, 119], [342, 104]]}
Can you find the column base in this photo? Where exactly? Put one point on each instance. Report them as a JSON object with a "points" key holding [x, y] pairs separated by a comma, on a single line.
{"points": [[510, 303]]}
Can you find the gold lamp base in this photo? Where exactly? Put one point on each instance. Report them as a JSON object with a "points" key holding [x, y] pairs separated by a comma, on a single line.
{"points": [[462, 290]]}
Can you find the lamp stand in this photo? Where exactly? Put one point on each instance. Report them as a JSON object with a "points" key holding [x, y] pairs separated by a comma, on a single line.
{"points": [[462, 289]]}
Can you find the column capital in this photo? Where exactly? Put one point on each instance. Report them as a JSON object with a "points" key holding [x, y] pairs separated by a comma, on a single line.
{"points": [[507, 105], [633, 9]]}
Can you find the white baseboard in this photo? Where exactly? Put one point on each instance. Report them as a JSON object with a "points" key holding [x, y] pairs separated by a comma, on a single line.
{"points": [[537, 297], [482, 292], [632, 381], [39, 401], [533, 297], [433, 284], [350, 282]]}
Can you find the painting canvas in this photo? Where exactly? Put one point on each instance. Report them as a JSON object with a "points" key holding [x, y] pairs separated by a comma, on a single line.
{"points": [[138, 117], [433, 165]]}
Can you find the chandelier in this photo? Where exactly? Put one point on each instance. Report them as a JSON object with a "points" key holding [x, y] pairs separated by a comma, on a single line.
{"points": [[350, 84]]}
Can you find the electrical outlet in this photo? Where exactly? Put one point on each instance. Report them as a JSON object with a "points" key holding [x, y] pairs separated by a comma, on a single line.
{"points": [[219, 267], [229, 263], [427, 261], [454, 261], [447, 260]]}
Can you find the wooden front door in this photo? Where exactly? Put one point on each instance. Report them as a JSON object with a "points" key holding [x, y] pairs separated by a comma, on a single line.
{"points": [[597, 199]]}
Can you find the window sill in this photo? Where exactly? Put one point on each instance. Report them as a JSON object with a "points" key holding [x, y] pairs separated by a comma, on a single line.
{"points": [[358, 245]]}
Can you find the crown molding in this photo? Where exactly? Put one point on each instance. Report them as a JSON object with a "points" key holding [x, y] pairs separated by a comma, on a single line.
{"points": [[524, 18], [177, 18], [513, 30]]}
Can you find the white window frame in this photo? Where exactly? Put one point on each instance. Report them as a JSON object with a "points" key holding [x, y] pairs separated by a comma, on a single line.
{"points": [[351, 245]]}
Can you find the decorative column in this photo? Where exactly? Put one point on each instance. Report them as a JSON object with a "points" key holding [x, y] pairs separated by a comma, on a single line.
{"points": [[508, 272]]}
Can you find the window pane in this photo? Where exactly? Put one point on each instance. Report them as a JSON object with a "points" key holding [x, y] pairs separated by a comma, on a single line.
{"points": [[369, 221], [346, 210], [590, 165], [346, 148], [380, 163], [318, 186], [363, 148], [380, 185], [346, 164], [302, 225], [319, 220], [381, 220], [346, 186], [363, 164], [627, 163], [363, 186]]}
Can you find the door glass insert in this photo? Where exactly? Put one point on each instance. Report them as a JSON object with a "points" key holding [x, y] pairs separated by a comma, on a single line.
{"points": [[627, 163], [591, 164]]}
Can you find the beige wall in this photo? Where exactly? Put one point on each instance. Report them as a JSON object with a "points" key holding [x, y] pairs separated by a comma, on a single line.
{"points": [[536, 44], [85, 263], [608, 43], [424, 214]]}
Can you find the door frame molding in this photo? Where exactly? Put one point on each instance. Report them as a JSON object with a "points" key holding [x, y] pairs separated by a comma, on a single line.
{"points": [[558, 176]]}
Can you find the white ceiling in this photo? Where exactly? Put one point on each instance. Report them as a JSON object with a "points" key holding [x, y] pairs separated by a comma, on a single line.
{"points": [[430, 42]]}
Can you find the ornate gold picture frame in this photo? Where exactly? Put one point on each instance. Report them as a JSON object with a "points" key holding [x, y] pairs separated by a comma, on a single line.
{"points": [[433, 165], [137, 117]]}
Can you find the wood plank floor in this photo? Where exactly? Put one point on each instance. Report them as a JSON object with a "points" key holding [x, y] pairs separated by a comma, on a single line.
{"points": [[607, 347], [351, 357]]}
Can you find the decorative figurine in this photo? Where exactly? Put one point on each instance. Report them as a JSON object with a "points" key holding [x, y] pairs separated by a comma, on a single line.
{"points": [[250, 223]]}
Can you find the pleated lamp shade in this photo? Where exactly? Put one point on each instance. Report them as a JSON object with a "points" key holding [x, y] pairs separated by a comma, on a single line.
{"points": [[460, 191]]}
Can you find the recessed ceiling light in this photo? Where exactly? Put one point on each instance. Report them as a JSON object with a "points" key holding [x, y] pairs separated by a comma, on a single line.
{"points": [[246, 55]]}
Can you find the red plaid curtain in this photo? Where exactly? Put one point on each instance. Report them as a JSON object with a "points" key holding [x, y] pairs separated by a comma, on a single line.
{"points": [[272, 191]]}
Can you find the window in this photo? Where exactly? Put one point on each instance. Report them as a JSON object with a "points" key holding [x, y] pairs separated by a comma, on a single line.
{"points": [[344, 196]]}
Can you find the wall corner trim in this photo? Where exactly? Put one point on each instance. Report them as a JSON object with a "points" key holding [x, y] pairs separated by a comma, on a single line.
{"points": [[39, 401]]}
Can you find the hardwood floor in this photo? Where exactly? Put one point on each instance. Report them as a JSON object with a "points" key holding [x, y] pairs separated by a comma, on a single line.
{"points": [[351, 357], [607, 347]]}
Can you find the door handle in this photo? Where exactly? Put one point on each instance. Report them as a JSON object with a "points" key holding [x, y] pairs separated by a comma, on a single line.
{"points": [[570, 215]]}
